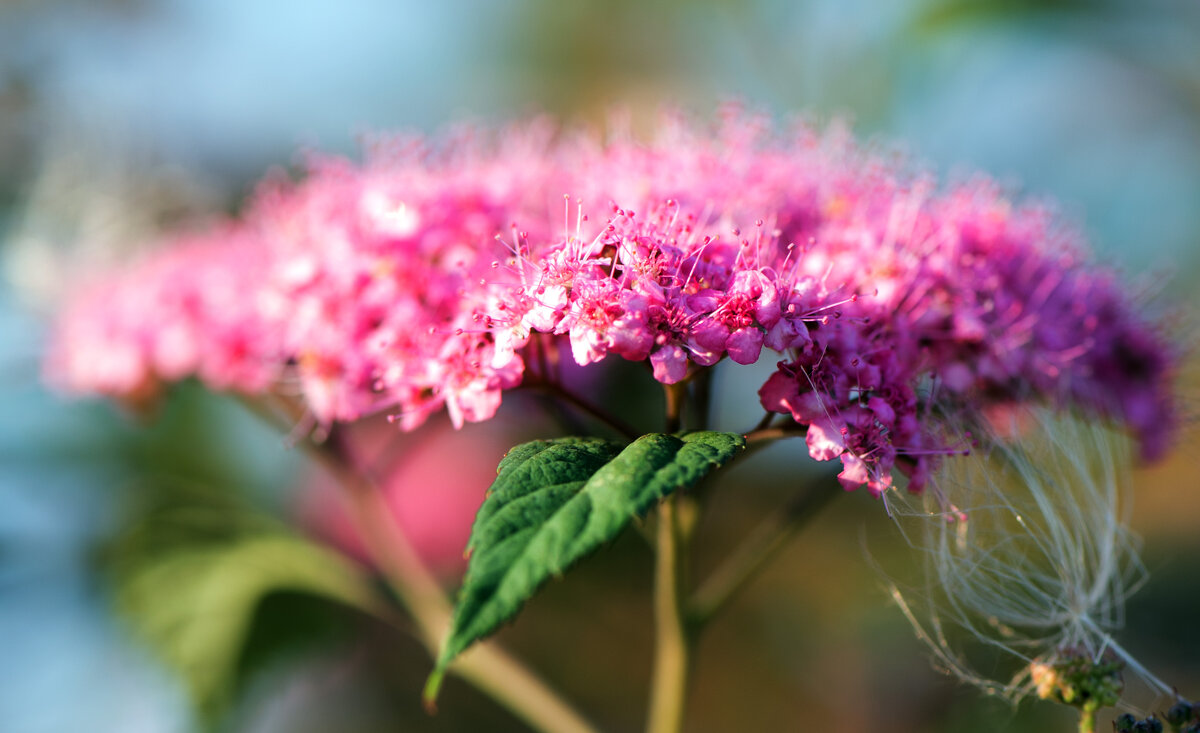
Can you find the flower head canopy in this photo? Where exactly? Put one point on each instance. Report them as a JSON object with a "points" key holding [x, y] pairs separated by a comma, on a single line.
{"points": [[418, 280]]}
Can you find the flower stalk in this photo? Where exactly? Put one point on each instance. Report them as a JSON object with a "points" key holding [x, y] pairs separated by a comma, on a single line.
{"points": [[756, 551], [487, 667], [672, 642]]}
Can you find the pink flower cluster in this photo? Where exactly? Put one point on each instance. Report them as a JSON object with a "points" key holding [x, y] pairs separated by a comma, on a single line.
{"points": [[417, 281], [190, 310]]}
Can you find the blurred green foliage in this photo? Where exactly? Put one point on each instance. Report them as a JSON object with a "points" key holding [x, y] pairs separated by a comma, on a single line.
{"points": [[196, 558]]}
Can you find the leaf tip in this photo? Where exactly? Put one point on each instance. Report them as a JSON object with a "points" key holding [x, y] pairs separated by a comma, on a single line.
{"points": [[432, 687]]}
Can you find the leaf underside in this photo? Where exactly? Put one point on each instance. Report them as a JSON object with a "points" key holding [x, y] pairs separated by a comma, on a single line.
{"points": [[196, 606], [553, 503]]}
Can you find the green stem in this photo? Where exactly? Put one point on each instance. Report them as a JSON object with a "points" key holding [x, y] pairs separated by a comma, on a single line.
{"points": [[675, 394], [765, 435], [702, 398], [761, 546], [672, 646], [595, 411], [762, 437], [412, 582], [486, 666], [766, 421], [1087, 720]]}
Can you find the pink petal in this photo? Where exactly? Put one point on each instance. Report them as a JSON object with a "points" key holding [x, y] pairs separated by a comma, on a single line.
{"points": [[854, 472], [745, 344], [778, 393], [824, 440], [670, 364]]}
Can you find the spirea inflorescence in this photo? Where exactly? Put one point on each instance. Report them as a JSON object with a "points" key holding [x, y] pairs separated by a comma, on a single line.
{"points": [[419, 279]]}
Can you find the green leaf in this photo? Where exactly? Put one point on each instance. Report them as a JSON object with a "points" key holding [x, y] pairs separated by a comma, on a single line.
{"points": [[196, 605], [553, 503]]}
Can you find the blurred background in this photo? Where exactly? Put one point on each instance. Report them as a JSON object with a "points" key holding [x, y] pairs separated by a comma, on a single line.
{"points": [[119, 118]]}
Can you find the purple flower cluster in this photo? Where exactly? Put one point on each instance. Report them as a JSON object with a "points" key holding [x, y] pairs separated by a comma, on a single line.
{"points": [[417, 280]]}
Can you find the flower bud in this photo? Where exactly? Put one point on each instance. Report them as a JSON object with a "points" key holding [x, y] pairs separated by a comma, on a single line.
{"points": [[1073, 677], [1149, 725], [1180, 713]]}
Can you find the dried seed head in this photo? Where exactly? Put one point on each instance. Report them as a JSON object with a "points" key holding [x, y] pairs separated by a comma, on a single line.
{"points": [[1027, 552]]}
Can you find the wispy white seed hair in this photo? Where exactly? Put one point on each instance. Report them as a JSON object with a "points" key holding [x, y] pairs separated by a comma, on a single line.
{"points": [[1026, 549]]}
